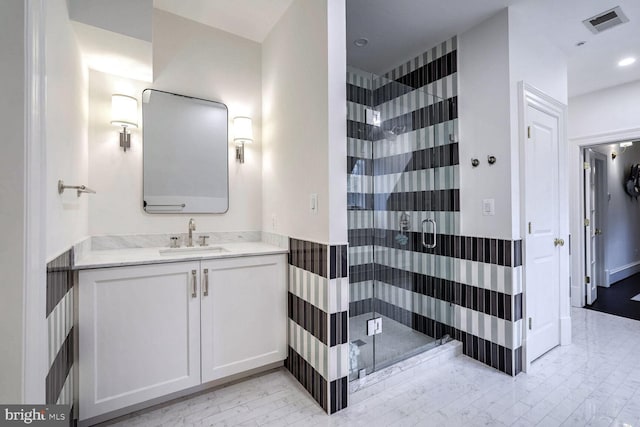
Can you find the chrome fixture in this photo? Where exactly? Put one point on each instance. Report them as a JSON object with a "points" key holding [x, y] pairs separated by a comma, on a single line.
{"points": [[174, 242], [192, 227], [124, 112], [81, 188], [194, 282], [475, 163], [205, 284], [491, 160], [424, 234], [203, 240], [242, 134]]}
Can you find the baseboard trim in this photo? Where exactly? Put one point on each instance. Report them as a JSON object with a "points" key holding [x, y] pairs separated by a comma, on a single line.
{"points": [[621, 273], [607, 279], [565, 330]]}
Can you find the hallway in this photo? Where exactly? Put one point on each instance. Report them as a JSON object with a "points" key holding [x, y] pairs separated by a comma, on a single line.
{"points": [[617, 298], [594, 381]]}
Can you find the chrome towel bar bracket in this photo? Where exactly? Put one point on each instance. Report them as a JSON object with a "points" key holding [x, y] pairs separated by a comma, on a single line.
{"points": [[80, 188]]}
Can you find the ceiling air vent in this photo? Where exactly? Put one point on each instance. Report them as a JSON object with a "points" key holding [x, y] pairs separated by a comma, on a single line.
{"points": [[605, 20]]}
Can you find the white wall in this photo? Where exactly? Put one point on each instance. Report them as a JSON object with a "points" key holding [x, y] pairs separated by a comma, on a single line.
{"points": [[535, 60], [66, 128], [622, 226], [12, 184], [494, 57], [605, 111], [484, 111], [603, 116], [337, 123], [192, 59], [304, 78], [129, 17]]}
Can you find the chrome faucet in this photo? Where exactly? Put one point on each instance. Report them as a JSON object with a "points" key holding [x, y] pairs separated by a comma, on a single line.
{"points": [[192, 226]]}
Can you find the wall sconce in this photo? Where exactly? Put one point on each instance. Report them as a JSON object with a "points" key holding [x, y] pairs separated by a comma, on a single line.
{"points": [[242, 133], [124, 112]]}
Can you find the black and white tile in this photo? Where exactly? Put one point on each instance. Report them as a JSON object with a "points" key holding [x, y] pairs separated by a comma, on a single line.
{"points": [[60, 317], [468, 287], [318, 306]]}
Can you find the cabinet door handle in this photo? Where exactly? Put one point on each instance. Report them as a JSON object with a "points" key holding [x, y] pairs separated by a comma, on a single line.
{"points": [[205, 283], [194, 282]]}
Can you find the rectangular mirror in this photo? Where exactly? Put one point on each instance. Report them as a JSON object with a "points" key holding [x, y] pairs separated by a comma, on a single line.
{"points": [[185, 154]]}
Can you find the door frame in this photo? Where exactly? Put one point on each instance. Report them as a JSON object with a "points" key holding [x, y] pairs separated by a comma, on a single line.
{"points": [[591, 199], [576, 159], [35, 339], [601, 214], [529, 96]]}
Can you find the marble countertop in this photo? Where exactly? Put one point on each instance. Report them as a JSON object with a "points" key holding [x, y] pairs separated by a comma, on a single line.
{"points": [[152, 255]]}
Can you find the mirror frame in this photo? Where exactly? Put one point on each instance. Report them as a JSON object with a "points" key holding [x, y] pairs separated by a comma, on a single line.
{"points": [[226, 110]]}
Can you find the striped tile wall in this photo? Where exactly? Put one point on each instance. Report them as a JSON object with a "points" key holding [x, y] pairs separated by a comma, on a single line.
{"points": [[468, 287], [60, 315], [318, 310]]}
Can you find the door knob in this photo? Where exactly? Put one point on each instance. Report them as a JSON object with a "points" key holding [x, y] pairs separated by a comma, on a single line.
{"points": [[558, 242], [598, 232]]}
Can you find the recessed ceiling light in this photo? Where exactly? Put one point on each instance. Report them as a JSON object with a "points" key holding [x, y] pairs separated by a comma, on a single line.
{"points": [[361, 42], [626, 61]]}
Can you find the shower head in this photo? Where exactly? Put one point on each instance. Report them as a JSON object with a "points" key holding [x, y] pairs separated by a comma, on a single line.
{"points": [[391, 134]]}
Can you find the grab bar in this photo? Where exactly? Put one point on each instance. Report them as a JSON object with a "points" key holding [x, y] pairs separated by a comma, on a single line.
{"points": [[424, 234]]}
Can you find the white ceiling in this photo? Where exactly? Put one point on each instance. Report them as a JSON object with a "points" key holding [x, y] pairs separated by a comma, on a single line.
{"points": [[251, 19], [401, 29], [593, 66], [398, 30]]}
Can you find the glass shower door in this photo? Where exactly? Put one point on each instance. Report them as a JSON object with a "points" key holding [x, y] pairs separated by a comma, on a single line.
{"points": [[412, 181], [402, 199]]}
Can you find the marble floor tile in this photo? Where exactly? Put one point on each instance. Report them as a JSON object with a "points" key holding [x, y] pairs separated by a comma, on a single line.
{"points": [[594, 381]]}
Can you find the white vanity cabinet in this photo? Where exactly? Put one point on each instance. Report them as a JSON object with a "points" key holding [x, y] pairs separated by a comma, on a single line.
{"points": [[139, 334], [152, 330], [244, 315]]}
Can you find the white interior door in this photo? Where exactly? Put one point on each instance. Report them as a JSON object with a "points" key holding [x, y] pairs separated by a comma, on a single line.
{"points": [[601, 197], [590, 235], [542, 256]]}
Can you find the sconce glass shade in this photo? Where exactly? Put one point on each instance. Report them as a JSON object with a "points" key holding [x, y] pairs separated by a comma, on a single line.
{"points": [[242, 130], [124, 111], [626, 144]]}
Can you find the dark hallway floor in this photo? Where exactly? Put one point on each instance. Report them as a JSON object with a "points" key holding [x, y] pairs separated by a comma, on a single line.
{"points": [[617, 299]]}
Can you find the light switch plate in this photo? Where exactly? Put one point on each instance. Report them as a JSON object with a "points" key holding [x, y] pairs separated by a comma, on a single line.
{"points": [[488, 207], [313, 203]]}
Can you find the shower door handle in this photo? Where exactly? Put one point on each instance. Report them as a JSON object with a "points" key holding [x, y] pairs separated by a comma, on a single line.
{"points": [[424, 234]]}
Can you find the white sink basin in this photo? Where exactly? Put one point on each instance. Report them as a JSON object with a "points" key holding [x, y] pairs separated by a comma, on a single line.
{"points": [[195, 249]]}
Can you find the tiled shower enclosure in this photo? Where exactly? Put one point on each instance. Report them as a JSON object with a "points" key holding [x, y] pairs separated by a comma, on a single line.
{"points": [[408, 262]]}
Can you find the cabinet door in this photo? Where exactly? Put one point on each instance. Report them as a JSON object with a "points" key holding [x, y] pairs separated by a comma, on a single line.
{"points": [[139, 332], [244, 314]]}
